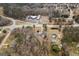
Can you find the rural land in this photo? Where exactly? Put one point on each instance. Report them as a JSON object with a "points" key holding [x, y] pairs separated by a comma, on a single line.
{"points": [[39, 29]]}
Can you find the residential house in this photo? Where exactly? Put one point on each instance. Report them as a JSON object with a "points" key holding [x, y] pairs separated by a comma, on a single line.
{"points": [[34, 19]]}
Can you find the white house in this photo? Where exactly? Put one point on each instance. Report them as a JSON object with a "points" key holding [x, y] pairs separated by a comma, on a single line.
{"points": [[34, 19]]}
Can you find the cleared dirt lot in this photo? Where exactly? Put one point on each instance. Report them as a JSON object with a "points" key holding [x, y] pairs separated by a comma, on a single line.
{"points": [[44, 19], [55, 31]]}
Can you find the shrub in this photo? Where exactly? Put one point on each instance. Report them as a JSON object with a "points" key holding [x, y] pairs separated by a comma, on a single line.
{"points": [[0, 29], [29, 27], [4, 31], [55, 48]]}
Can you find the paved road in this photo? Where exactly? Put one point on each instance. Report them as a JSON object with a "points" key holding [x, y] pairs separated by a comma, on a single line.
{"points": [[37, 25]]}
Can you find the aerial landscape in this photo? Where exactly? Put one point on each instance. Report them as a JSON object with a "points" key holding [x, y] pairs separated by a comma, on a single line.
{"points": [[39, 29]]}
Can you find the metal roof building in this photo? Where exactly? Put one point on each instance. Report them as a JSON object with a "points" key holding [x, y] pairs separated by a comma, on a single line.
{"points": [[34, 19]]}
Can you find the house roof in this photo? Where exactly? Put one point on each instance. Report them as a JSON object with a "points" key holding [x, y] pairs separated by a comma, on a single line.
{"points": [[33, 17]]}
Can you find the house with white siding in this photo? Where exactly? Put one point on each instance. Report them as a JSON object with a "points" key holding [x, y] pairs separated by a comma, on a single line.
{"points": [[34, 19]]}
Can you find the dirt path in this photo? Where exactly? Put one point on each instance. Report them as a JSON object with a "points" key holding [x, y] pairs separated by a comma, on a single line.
{"points": [[4, 40]]}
